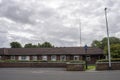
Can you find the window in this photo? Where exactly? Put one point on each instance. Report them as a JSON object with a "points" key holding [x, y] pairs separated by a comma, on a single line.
{"points": [[12, 57], [44, 58], [34, 58], [63, 58], [53, 58], [24, 58], [76, 58], [88, 58]]}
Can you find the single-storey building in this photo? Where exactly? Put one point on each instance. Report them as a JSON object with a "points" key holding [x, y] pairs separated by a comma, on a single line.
{"points": [[52, 54]]}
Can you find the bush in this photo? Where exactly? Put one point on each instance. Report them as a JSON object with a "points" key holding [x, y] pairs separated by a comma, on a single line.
{"points": [[22, 61], [8, 61], [112, 60], [1, 61], [77, 61], [80, 61], [43, 61]]}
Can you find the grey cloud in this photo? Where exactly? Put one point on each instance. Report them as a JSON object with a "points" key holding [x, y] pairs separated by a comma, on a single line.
{"points": [[14, 12], [24, 14], [58, 25], [3, 38]]}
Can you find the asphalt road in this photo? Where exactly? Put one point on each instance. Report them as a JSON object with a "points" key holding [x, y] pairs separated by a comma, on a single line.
{"points": [[55, 74]]}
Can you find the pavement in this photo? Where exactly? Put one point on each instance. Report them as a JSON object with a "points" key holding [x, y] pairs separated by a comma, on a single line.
{"points": [[56, 74]]}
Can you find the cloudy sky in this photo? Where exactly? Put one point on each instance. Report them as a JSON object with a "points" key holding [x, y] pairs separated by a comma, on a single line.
{"points": [[57, 21]]}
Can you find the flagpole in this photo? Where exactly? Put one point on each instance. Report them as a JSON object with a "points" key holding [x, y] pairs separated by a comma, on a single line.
{"points": [[80, 34], [109, 55]]}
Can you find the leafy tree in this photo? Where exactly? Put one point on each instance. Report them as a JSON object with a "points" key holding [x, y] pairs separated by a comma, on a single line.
{"points": [[101, 44], [113, 40], [115, 50], [96, 43], [34, 46], [15, 45], [114, 45], [46, 45], [29, 45], [39, 45]]}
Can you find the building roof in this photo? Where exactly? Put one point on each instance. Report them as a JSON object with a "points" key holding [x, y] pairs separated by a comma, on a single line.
{"points": [[49, 51], [1, 51]]}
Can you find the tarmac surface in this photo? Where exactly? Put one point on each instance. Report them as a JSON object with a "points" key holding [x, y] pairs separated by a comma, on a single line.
{"points": [[56, 74]]}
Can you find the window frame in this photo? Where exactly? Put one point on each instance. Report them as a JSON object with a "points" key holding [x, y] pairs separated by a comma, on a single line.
{"points": [[76, 58], [44, 58], [34, 58], [88, 58], [12, 57], [61, 58], [53, 58], [23, 57]]}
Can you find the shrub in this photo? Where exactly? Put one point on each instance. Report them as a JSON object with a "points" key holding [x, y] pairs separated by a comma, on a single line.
{"points": [[43, 61], [80, 61], [112, 60]]}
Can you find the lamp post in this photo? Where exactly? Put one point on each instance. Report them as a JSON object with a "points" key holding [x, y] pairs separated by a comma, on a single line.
{"points": [[85, 47], [109, 55]]}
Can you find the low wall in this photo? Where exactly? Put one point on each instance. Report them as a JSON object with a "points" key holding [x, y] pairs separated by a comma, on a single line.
{"points": [[32, 64], [105, 66], [75, 67], [68, 66]]}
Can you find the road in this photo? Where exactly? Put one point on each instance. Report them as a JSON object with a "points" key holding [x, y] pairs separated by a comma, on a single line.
{"points": [[55, 74]]}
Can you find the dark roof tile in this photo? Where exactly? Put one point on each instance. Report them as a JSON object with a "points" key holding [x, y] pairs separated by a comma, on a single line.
{"points": [[42, 51]]}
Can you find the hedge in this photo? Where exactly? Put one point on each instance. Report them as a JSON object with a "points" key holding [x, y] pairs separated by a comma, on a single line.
{"points": [[112, 60]]}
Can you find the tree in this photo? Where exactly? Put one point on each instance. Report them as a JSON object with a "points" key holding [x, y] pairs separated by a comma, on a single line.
{"points": [[34, 46], [115, 50], [46, 45], [39, 45], [113, 40], [114, 46], [29, 45], [96, 43], [15, 45], [101, 44]]}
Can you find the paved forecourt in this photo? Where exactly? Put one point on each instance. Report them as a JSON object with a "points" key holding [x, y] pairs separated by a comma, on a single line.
{"points": [[55, 74]]}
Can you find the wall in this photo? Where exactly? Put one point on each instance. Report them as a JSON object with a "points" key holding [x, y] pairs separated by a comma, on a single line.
{"points": [[32, 64], [105, 66], [75, 67]]}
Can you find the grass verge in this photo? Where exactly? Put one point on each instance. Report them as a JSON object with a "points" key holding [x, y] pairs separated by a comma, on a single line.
{"points": [[90, 67]]}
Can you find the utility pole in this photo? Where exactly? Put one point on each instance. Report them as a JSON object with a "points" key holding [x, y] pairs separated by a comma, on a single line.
{"points": [[109, 55]]}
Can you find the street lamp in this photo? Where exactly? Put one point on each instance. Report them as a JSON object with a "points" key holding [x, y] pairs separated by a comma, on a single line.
{"points": [[85, 47], [109, 55]]}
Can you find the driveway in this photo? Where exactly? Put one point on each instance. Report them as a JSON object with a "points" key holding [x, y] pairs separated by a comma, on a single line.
{"points": [[55, 74]]}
